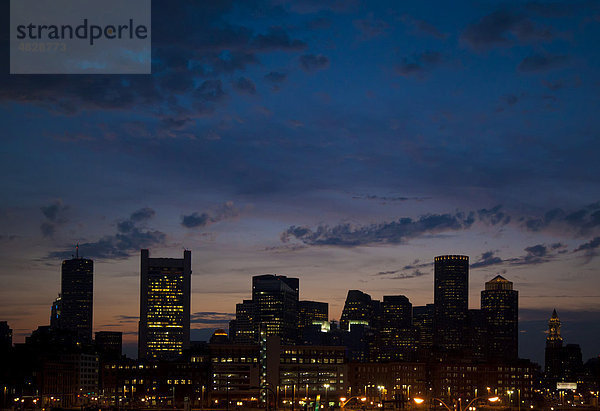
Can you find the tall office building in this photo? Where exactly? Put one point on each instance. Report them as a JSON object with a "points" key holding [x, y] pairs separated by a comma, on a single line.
{"points": [[275, 301], [312, 313], [451, 300], [77, 297], [359, 309], [476, 335], [500, 307], [423, 322], [164, 329], [241, 330], [396, 332]]}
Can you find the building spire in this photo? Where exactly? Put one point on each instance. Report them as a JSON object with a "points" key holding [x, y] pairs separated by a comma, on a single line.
{"points": [[554, 337], [77, 251]]}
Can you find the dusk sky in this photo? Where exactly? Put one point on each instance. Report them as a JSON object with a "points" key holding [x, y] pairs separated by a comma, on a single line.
{"points": [[346, 143]]}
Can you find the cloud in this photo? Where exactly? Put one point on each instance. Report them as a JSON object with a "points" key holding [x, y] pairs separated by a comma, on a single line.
{"points": [[142, 214], [395, 232], [52, 211], [486, 259], [493, 216], [314, 62], [582, 221], [535, 254], [277, 39], [124, 319], [371, 27], [203, 45], [54, 214], [388, 198], [541, 62], [223, 212], [399, 275], [127, 241], [503, 28], [419, 63], [423, 27], [590, 245], [244, 85], [211, 318], [275, 77]]}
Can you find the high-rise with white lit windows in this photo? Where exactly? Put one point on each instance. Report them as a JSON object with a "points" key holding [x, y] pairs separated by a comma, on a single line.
{"points": [[164, 329]]}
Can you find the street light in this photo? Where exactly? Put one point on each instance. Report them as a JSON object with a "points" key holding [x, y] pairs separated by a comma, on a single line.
{"points": [[326, 394], [490, 399], [345, 401]]}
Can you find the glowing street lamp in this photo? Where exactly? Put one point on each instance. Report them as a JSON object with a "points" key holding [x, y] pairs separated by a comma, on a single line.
{"points": [[345, 401], [419, 401], [327, 393]]}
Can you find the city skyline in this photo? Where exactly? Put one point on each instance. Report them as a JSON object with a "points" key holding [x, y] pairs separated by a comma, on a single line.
{"points": [[179, 267], [345, 144]]}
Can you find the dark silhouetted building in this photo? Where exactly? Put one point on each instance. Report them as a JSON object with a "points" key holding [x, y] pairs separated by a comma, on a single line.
{"points": [[312, 313], [553, 353], [219, 337], [164, 329], [275, 301], [55, 313], [563, 363], [77, 297], [359, 309], [451, 300], [5, 336], [500, 307], [396, 340], [109, 345], [423, 322], [241, 330], [476, 335]]}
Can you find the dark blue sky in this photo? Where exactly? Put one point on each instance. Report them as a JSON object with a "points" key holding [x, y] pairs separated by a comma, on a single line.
{"points": [[343, 142]]}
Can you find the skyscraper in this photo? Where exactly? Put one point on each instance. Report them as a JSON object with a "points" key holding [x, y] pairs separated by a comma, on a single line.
{"points": [[451, 301], [312, 313], [77, 297], [423, 322], [396, 332], [164, 329], [359, 309], [500, 307], [275, 301], [241, 330]]}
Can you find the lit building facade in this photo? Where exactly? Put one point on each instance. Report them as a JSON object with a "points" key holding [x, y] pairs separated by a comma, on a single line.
{"points": [[500, 307], [77, 298], [451, 301], [275, 303], [359, 309], [312, 313], [241, 330], [164, 328], [396, 340]]}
